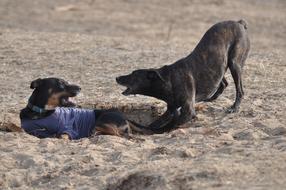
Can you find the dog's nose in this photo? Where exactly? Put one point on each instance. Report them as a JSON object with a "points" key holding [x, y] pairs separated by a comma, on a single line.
{"points": [[117, 79], [77, 88]]}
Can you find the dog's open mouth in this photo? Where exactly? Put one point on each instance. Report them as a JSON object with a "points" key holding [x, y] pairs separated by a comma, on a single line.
{"points": [[127, 92], [67, 101], [122, 81]]}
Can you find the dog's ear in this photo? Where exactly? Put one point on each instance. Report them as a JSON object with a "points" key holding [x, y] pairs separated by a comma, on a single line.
{"points": [[36, 83], [154, 74]]}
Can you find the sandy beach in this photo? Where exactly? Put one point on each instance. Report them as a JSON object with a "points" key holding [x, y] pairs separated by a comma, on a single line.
{"points": [[91, 42]]}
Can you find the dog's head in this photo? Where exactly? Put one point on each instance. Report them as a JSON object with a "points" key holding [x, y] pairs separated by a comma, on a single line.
{"points": [[147, 82], [52, 92]]}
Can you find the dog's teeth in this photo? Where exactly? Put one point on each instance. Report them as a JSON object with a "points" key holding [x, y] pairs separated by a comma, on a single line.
{"points": [[71, 99]]}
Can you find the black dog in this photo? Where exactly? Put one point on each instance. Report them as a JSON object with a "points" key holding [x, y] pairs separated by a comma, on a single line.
{"points": [[113, 122], [197, 77], [41, 115], [48, 94]]}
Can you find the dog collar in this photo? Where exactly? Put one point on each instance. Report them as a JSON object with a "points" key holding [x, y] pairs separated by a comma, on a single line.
{"points": [[36, 108]]}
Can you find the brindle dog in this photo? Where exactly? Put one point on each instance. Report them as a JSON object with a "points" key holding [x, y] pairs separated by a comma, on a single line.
{"points": [[197, 77]]}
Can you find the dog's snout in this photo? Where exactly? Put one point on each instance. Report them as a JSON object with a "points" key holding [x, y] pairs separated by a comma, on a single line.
{"points": [[76, 87], [122, 79], [73, 90]]}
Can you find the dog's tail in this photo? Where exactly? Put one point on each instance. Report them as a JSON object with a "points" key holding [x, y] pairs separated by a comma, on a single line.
{"points": [[157, 128], [151, 129], [140, 128], [165, 127], [244, 23]]}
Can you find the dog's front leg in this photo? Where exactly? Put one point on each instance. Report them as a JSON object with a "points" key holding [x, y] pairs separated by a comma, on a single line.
{"points": [[186, 113], [167, 124], [185, 100], [162, 120]]}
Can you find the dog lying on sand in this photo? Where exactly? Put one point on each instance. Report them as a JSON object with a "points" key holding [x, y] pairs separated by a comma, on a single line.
{"points": [[197, 77], [50, 113]]}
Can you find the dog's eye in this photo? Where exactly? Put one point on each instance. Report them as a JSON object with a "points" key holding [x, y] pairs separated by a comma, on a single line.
{"points": [[61, 86]]}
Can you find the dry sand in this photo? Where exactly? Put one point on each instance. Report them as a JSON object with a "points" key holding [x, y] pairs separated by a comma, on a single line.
{"points": [[92, 42]]}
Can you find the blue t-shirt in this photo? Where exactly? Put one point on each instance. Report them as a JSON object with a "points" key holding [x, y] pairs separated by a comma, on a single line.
{"points": [[77, 123]]}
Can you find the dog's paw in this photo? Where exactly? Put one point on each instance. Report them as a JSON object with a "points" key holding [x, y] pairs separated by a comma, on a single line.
{"points": [[65, 137], [232, 109], [200, 107], [178, 132], [194, 118]]}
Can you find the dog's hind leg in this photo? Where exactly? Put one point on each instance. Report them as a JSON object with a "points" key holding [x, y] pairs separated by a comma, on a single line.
{"points": [[236, 61], [236, 74], [222, 86]]}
